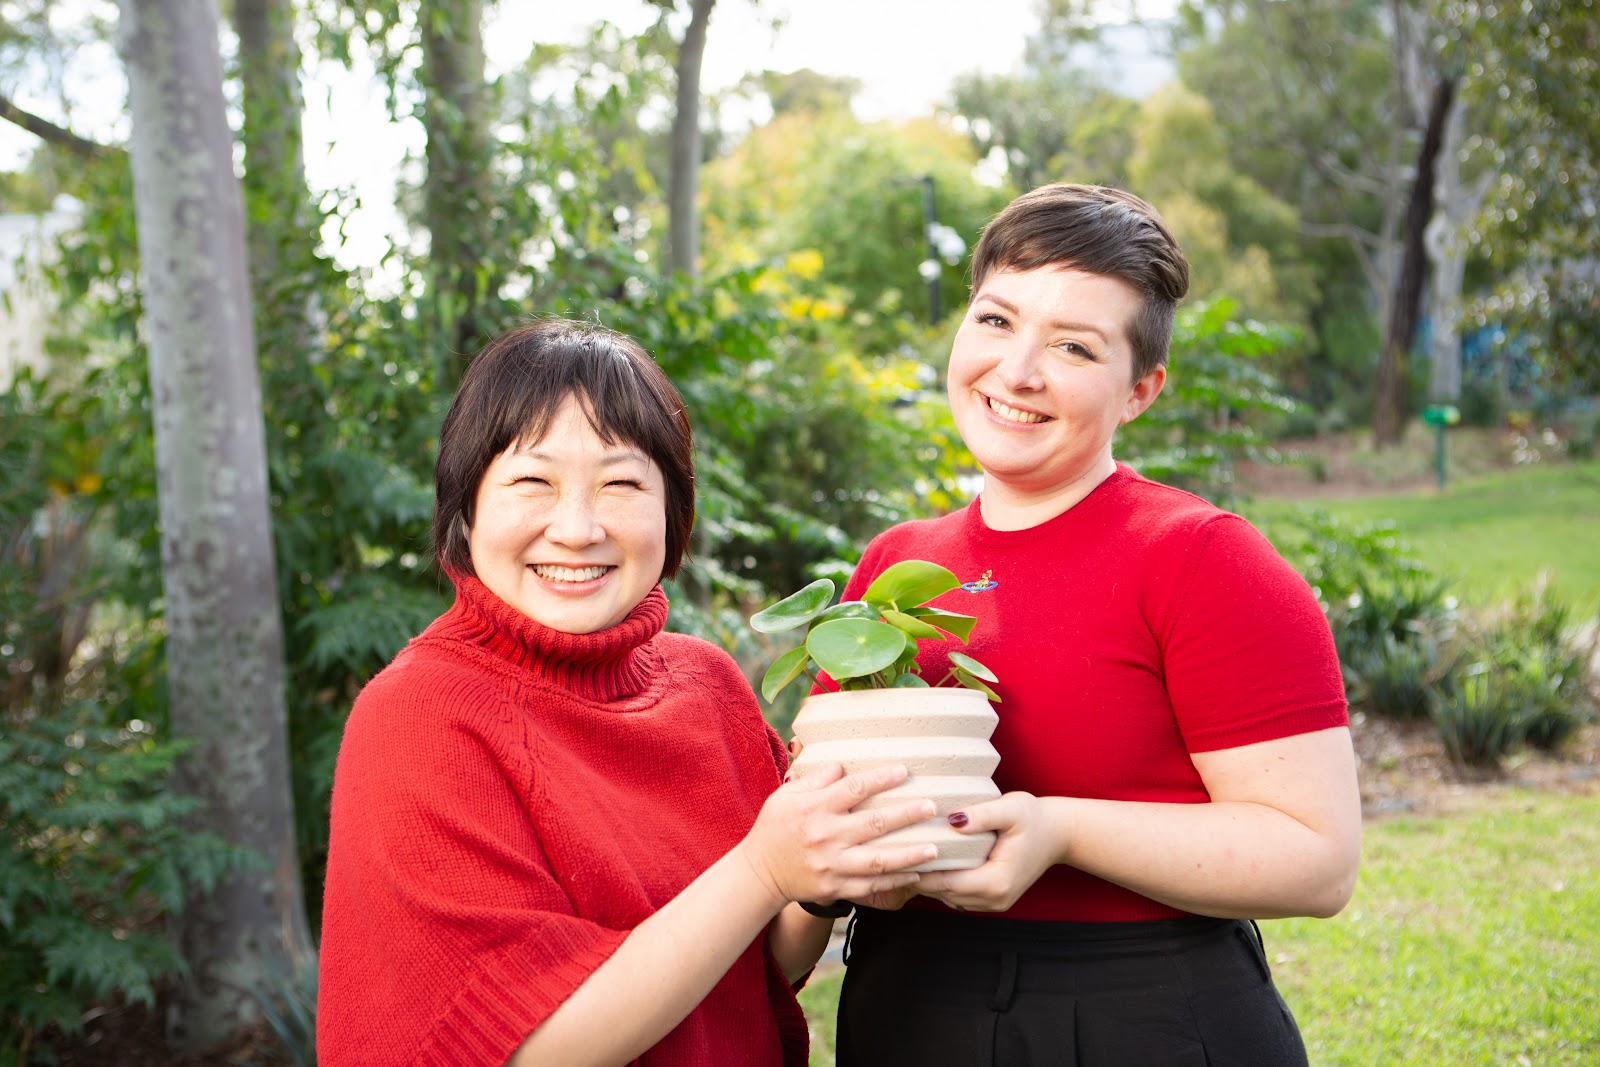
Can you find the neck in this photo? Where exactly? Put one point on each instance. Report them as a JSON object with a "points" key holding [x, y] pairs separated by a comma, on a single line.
{"points": [[1009, 506]]}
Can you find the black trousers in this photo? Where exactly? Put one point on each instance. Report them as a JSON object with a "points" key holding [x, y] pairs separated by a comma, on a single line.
{"points": [[936, 989]]}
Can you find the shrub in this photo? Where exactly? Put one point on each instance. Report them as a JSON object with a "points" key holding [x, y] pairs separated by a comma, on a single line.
{"points": [[1396, 678], [1533, 646], [92, 854], [1480, 716], [1379, 598]]}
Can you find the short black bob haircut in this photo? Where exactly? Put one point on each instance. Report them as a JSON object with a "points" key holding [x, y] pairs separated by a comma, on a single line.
{"points": [[512, 391]]}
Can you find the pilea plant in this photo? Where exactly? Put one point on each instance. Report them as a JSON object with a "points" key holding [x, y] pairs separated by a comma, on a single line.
{"points": [[871, 643]]}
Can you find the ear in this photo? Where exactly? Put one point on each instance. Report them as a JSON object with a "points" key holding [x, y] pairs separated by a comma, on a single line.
{"points": [[1143, 394]]}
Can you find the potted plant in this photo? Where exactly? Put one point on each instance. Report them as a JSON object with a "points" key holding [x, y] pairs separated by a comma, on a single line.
{"points": [[882, 709]]}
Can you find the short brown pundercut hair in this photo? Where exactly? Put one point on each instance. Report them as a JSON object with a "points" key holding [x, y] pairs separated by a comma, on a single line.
{"points": [[1098, 230], [512, 392]]}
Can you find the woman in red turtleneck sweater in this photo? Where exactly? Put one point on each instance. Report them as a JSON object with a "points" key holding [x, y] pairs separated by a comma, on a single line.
{"points": [[561, 834]]}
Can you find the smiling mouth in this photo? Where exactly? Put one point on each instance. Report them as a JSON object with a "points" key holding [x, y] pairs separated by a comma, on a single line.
{"points": [[552, 573], [1011, 414]]}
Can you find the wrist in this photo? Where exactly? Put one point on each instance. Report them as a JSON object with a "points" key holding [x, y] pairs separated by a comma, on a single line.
{"points": [[835, 909]]}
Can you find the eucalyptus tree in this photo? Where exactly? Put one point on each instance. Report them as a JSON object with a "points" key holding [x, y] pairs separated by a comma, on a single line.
{"points": [[683, 219], [1326, 103], [224, 643]]}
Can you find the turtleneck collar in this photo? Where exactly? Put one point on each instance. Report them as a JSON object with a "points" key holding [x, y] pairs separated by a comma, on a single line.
{"points": [[603, 666]]}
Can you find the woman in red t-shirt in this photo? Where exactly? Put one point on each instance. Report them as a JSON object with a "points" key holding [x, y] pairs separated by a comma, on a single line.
{"points": [[1174, 742]]}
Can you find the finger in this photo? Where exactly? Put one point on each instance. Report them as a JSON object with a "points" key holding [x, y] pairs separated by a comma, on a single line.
{"points": [[818, 777], [885, 859], [860, 889], [862, 826], [981, 818], [854, 788]]}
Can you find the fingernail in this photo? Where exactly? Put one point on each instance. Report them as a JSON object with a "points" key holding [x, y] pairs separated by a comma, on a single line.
{"points": [[958, 819]]}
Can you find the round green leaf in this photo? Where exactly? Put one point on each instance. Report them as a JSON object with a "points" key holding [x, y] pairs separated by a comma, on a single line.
{"points": [[909, 584], [910, 681], [957, 626], [851, 648], [794, 609], [913, 626], [784, 670], [965, 662], [849, 609], [972, 683]]}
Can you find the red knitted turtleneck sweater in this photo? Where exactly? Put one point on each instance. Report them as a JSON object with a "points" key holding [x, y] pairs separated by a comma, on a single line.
{"points": [[509, 802]]}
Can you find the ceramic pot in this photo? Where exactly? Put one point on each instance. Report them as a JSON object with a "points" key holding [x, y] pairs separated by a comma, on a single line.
{"points": [[941, 735]]}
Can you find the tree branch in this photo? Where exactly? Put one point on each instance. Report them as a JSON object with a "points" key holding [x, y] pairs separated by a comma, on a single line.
{"points": [[49, 131]]}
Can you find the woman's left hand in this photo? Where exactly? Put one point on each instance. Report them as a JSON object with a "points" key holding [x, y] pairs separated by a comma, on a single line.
{"points": [[1029, 844]]}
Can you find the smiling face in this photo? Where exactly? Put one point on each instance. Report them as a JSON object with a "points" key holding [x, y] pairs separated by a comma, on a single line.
{"points": [[570, 530], [1041, 375]]}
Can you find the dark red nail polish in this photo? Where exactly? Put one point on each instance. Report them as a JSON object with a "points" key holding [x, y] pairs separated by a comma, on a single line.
{"points": [[958, 819]]}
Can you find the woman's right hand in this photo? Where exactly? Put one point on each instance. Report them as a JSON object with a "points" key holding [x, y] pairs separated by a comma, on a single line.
{"points": [[807, 843]]}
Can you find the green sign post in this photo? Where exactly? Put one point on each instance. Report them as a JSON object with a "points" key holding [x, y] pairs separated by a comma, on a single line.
{"points": [[1439, 416]]}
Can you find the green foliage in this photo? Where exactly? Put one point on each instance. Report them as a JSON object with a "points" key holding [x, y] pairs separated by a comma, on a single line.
{"points": [[95, 853], [288, 1004], [1530, 72], [1537, 664], [1480, 717], [1367, 579], [1217, 389], [1394, 677], [93, 846], [871, 643]]}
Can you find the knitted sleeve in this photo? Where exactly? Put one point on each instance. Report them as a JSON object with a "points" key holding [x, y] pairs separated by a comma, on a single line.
{"points": [[1247, 652], [446, 938]]}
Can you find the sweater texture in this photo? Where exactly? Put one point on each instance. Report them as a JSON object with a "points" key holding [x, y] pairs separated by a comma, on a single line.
{"points": [[1138, 627], [509, 802]]}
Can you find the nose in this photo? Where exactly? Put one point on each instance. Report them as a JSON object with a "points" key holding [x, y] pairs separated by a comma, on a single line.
{"points": [[574, 522], [1019, 367]]}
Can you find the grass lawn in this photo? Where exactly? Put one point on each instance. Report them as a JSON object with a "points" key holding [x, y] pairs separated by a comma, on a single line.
{"points": [[1472, 939], [1492, 534]]}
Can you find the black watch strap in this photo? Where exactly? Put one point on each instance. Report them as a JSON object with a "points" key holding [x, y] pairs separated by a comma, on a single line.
{"points": [[837, 910]]}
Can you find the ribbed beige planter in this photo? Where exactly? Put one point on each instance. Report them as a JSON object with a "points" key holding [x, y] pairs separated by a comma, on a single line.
{"points": [[941, 735]]}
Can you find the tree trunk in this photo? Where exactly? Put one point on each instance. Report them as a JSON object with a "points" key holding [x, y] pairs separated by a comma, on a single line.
{"points": [[1390, 399], [278, 202], [224, 638], [1457, 203], [457, 193], [683, 219]]}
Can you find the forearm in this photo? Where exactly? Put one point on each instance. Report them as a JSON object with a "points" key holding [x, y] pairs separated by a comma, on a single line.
{"points": [[1228, 859], [657, 976], [797, 940]]}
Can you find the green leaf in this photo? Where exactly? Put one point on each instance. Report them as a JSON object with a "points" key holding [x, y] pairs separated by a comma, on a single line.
{"points": [[786, 669], [957, 626], [909, 681], [910, 624], [972, 683], [962, 661], [851, 648], [794, 609], [850, 609], [910, 583]]}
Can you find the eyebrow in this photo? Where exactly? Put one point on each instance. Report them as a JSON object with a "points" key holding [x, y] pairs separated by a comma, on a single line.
{"points": [[610, 459], [1083, 327]]}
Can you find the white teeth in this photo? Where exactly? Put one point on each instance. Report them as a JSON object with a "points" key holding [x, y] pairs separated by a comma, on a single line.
{"points": [[1011, 414], [568, 574]]}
